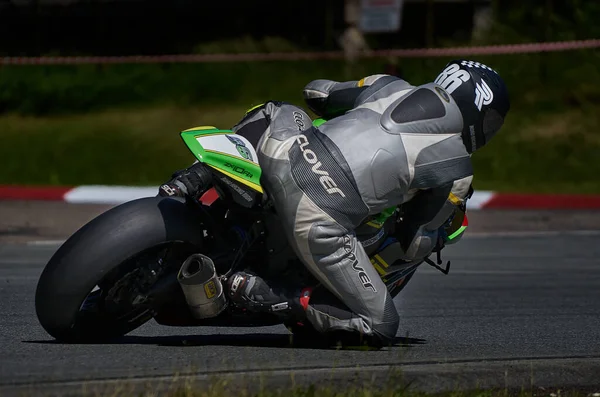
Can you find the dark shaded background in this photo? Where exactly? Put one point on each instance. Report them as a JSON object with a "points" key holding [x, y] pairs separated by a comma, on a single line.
{"points": [[176, 26]]}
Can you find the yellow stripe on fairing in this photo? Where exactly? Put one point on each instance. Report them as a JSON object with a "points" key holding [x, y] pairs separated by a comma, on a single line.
{"points": [[241, 180], [201, 128], [377, 267], [361, 82], [254, 107], [375, 225], [380, 260]]}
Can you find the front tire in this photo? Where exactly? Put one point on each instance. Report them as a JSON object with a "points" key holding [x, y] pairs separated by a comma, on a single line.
{"points": [[99, 255]]}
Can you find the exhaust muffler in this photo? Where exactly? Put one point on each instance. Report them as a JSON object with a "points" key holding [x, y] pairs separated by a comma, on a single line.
{"points": [[202, 288]]}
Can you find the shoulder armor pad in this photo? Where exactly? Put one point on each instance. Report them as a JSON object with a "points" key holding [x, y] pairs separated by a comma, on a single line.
{"points": [[427, 109]]}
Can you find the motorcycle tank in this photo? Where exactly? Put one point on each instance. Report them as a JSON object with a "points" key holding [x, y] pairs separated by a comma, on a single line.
{"points": [[228, 153]]}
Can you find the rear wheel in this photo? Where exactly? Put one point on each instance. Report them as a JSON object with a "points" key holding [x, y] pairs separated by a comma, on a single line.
{"points": [[93, 288], [118, 303]]}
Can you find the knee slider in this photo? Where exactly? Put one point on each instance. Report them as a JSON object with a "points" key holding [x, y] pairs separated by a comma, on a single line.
{"points": [[387, 331], [387, 328]]}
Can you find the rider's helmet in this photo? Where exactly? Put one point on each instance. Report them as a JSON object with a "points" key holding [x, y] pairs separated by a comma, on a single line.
{"points": [[481, 96]]}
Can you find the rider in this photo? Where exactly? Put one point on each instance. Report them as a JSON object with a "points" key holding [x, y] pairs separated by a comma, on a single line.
{"points": [[386, 143]]}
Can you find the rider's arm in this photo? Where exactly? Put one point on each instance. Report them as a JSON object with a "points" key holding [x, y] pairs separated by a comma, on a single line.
{"points": [[328, 98], [424, 216]]}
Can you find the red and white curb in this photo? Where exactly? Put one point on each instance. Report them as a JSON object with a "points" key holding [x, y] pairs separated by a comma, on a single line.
{"points": [[89, 194], [114, 195]]}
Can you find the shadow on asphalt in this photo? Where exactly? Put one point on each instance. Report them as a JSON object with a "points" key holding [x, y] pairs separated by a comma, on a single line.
{"points": [[247, 340]]}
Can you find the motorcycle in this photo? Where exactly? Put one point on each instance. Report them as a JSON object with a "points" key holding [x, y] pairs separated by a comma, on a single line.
{"points": [[168, 259]]}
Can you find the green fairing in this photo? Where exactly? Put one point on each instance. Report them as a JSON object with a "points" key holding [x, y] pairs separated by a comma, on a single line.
{"points": [[245, 170], [384, 215], [318, 122]]}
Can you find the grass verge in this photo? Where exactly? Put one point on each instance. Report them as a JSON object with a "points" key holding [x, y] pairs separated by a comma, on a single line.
{"points": [[538, 81], [259, 387], [538, 152], [129, 147], [373, 391]]}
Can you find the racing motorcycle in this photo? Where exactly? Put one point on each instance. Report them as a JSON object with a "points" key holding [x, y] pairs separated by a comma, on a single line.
{"points": [[168, 259]]}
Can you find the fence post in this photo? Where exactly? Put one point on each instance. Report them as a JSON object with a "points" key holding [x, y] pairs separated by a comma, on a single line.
{"points": [[352, 40]]}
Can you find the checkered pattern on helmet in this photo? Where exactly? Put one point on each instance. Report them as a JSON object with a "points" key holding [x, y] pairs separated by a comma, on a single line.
{"points": [[472, 64]]}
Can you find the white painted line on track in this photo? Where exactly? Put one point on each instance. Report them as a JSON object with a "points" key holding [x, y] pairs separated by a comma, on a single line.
{"points": [[41, 243], [99, 194]]}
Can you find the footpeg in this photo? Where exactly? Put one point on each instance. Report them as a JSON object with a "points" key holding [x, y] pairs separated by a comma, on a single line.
{"points": [[202, 287]]}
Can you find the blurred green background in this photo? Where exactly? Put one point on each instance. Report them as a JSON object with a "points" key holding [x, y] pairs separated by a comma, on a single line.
{"points": [[119, 124]]}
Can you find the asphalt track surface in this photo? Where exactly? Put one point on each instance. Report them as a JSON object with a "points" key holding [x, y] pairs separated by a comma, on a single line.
{"points": [[514, 310]]}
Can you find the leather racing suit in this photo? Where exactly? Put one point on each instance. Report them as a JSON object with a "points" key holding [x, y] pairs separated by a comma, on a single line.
{"points": [[387, 143]]}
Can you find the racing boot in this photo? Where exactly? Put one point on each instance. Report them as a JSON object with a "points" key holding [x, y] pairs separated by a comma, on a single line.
{"points": [[187, 182], [251, 292]]}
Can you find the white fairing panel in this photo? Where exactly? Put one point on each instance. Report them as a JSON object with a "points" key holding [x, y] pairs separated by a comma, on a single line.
{"points": [[230, 144]]}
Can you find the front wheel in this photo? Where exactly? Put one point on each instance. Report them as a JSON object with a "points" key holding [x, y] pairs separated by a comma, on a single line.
{"points": [[91, 287]]}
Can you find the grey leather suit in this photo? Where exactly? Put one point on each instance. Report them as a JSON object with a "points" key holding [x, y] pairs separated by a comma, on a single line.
{"points": [[387, 143]]}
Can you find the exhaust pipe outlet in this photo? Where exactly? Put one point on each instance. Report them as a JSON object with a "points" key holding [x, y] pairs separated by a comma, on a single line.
{"points": [[202, 288]]}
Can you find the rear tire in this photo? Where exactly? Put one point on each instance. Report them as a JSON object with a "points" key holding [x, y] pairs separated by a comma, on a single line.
{"points": [[103, 250]]}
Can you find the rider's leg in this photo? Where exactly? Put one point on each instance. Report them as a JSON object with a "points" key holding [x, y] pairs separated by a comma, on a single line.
{"points": [[290, 303], [319, 224]]}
